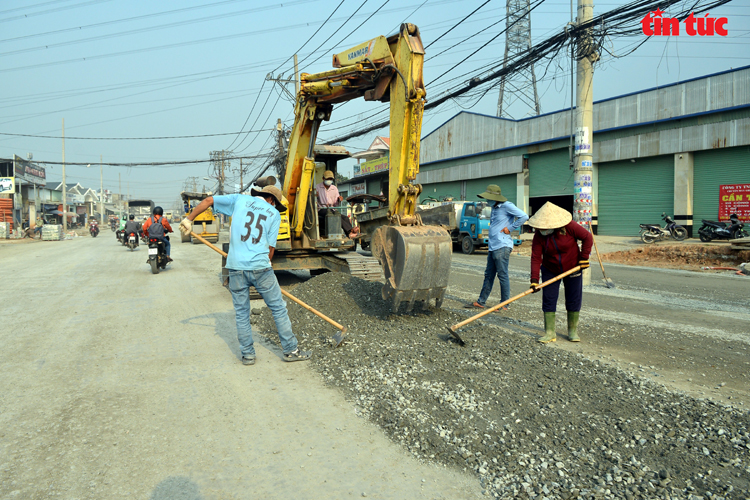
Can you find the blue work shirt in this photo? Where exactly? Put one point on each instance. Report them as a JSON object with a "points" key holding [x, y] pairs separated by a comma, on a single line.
{"points": [[255, 228], [504, 215]]}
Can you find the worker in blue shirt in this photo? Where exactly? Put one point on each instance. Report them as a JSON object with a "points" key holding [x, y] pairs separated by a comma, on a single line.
{"points": [[253, 234], [505, 218]]}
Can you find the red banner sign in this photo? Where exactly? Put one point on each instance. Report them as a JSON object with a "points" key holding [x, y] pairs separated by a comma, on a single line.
{"points": [[734, 199]]}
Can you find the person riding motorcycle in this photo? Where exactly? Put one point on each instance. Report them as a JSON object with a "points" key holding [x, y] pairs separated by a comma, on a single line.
{"points": [[159, 233], [131, 226]]}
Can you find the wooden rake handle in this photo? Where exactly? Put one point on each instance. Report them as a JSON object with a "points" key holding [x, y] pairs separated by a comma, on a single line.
{"points": [[512, 299], [284, 292]]}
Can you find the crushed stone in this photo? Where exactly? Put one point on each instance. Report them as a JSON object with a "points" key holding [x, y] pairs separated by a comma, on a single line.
{"points": [[527, 420]]}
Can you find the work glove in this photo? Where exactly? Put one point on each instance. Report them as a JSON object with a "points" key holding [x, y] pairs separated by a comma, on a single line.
{"points": [[583, 263], [186, 226], [535, 287]]}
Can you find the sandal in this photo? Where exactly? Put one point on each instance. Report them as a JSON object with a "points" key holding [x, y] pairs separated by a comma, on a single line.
{"points": [[474, 305]]}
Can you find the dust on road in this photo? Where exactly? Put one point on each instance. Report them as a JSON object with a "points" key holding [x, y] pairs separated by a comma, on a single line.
{"points": [[118, 383]]}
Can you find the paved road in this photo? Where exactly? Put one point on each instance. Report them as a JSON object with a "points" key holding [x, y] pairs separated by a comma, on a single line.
{"points": [[117, 383], [688, 330]]}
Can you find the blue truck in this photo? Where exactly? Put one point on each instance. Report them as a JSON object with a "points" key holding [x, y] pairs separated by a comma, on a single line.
{"points": [[468, 222]]}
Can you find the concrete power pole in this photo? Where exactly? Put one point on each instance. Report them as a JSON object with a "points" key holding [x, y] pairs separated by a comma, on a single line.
{"points": [[64, 194], [522, 84], [101, 191], [586, 56], [119, 188]]}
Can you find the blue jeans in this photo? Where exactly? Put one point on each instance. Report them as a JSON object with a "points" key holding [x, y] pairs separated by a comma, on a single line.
{"points": [[497, 264], [264, 280]]}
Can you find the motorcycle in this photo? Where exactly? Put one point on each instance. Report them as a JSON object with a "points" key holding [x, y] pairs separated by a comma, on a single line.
{"points": [[157, 255], [711, 230], [113, 226], [132, 241], [94, 230], [654, 232], [120, 234]]}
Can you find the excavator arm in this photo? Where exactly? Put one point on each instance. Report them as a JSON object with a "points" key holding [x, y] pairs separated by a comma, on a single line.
{"points": [[415, 258]]}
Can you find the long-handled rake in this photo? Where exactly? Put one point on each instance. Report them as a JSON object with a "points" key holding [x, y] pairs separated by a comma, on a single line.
{"points": [[337, 338]]}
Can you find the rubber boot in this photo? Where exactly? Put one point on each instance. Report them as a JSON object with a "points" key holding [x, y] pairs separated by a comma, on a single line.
{"points": [[573, 326], [549, 328]]}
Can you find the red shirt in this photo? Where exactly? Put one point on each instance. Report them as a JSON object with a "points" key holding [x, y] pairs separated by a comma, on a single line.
{"points": [[164, 222], [559, 252]]}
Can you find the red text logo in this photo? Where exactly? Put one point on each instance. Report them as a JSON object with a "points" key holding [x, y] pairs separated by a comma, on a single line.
{"points": [[669, 26]]}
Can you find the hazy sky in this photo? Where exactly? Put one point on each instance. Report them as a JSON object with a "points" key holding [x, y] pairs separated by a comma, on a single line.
{"points": [[144, 69]]}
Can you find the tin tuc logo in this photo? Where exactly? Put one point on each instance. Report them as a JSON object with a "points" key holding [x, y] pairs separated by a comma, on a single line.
{"points": [[668, 26]]}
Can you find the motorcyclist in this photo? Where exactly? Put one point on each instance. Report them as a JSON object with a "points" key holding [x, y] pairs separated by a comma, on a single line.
{"points": [[159, 233], [131, 226]]}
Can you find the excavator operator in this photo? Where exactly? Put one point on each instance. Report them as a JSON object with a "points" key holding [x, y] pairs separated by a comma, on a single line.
{"points": [[329, 197]]}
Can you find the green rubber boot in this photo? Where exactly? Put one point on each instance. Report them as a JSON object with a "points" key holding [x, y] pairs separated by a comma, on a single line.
{"points": [[573, 326], [549, 328]]}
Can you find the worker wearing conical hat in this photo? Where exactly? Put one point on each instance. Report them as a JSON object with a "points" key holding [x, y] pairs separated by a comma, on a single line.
{"points": [[554, 250]]}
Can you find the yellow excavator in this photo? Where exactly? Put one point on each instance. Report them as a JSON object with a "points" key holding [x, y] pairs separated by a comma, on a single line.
{"points": [[415, 258]]}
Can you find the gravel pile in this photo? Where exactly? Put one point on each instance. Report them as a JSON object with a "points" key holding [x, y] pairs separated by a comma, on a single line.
{"points": [[529, 420]]}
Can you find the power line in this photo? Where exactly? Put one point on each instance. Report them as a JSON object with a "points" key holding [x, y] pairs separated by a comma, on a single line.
{"points": [[49, 11], [457, 24], [621, 21], [67, 137]]}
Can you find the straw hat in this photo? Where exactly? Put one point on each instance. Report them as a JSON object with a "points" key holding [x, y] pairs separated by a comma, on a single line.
{"points": [[328, 175], [493, 193], [550, 216], [273, 191]]}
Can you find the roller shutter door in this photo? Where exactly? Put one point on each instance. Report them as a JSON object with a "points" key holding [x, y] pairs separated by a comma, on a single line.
{"points": [[550, 174], [634, 193], [507, 185], [712, 169], [440, 190]]}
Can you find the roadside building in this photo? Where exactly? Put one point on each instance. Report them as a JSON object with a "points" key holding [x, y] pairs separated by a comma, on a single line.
{"points": [[370, 175], [20, 181], [672, 149]]}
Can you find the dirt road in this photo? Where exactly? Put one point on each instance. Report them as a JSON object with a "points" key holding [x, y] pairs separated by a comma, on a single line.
{"points": [[117, 383], [689, 331]]}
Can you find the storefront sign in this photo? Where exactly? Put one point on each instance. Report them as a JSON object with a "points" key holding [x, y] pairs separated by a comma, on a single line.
{"points": [[359, 188], [7, 185], [27, 171], [734, 199], [74, 199], [372, 166]]}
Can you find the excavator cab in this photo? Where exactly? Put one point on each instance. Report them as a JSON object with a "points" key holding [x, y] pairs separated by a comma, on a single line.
{"points": [[415, 257]]}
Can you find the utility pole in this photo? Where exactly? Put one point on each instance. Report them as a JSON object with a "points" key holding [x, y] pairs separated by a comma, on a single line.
{"points": [[119, 188], [64, 195], [241, 184], [586, 56], [101, 190]]}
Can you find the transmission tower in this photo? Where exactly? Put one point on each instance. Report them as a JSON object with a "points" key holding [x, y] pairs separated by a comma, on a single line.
{"points": [[522, 83]]}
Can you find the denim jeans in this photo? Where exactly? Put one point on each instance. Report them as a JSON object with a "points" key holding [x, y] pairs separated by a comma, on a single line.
{"points": [[497, 264], [264, 280]]}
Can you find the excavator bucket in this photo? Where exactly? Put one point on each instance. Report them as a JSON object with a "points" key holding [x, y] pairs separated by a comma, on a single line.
{"points": [[416, 262]]}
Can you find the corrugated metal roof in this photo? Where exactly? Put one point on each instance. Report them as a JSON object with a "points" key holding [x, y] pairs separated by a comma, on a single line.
{"points": [[468, 134]]}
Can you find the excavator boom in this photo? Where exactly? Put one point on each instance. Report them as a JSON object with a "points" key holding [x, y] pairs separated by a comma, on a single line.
{"points": [[415, 258]]}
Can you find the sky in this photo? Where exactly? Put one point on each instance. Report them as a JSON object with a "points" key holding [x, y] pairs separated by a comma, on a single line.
{"points": [[124, 75]]}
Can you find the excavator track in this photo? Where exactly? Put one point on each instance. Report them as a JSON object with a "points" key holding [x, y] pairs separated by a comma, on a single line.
{"points": [[361, 266]]}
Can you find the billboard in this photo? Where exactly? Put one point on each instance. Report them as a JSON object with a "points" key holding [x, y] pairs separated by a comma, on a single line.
{"points": [[734, 199], [7, 185], [372, 166], [29, 172]]}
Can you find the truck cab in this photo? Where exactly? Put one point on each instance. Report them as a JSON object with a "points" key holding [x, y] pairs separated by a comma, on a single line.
{"points": [[473, 225]]}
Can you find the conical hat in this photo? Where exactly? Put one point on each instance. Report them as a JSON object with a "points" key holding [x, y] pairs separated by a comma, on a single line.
{"points": [[550, 216]]}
